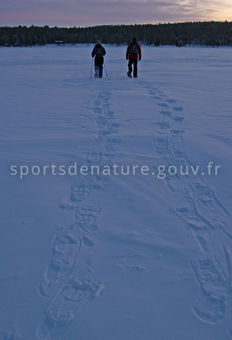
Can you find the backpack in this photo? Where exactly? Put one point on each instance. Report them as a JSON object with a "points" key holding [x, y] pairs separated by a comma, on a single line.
{"points": [[99, 50], [134, 49]]}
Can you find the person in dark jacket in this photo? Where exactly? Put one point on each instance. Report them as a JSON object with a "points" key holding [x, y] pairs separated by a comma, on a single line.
{"points": [[134, 54], [98, 52]]}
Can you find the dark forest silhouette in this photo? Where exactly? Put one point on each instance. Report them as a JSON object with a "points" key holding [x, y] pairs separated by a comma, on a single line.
{"points": [[178, 34]]}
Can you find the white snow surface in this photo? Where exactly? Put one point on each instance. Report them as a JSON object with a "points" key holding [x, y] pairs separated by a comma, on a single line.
{"points": [[119, 257]]}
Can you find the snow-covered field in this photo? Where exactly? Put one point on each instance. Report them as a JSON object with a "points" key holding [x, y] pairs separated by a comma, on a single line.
{"points": [[116, 257]]}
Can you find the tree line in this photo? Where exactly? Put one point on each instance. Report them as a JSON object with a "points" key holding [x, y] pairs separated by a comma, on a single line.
{"points": [[178, 34]]}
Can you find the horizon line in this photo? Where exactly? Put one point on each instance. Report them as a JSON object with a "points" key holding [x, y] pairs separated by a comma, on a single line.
{"points": [[124, 24]]}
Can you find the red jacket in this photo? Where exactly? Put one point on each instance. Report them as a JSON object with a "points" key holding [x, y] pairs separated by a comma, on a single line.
{"points": [[133, 56]]}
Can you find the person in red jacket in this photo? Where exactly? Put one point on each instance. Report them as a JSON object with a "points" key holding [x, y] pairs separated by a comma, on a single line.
{"points": [[134, 54]]}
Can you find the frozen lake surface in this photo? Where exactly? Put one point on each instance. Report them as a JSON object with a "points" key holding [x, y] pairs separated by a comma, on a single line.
{"points": [[116, 257]]}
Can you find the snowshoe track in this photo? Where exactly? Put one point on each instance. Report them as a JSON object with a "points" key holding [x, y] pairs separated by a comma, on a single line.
{"points": [[201, 211], [71, 293]]}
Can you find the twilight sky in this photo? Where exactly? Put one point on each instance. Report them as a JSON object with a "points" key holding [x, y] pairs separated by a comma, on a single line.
{"points": [[93, 12]]}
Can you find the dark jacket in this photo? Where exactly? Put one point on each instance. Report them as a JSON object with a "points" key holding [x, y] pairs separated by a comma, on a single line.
{"points": [[98, 52], [133, 51]]}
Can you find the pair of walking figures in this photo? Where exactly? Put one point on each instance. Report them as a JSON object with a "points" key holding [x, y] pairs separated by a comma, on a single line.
{"points": [[133, 54]]}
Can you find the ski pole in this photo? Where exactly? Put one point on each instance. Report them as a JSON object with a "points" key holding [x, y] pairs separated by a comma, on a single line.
{"points": [[106, 70], [91, 71]]}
